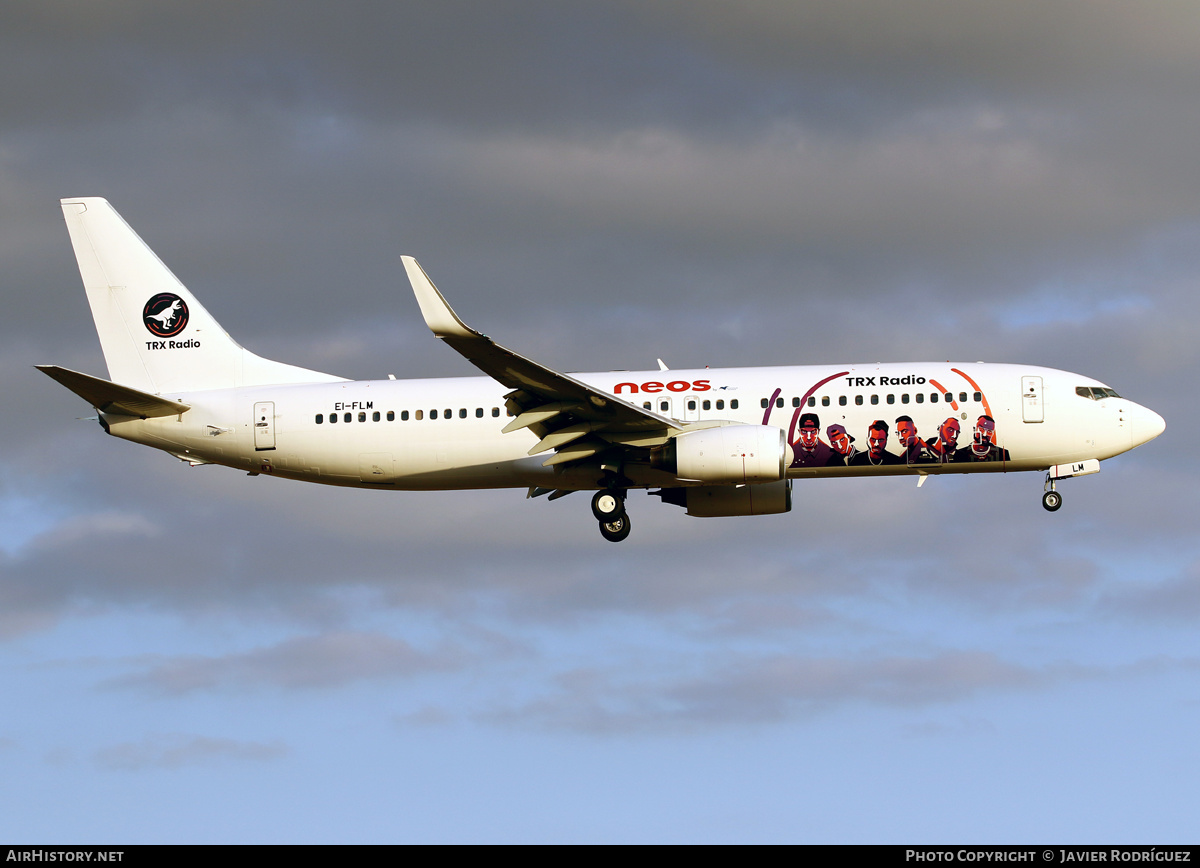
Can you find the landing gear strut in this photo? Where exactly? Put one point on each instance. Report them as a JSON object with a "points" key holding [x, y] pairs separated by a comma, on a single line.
{"points": [[608, 506], [1051, 499]]}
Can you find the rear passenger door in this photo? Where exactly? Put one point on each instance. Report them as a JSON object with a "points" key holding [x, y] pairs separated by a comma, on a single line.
{"points": [[264, 426]]}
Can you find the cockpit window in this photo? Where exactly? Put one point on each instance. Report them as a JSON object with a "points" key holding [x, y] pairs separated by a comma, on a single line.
{"points": [[1095, 393]]}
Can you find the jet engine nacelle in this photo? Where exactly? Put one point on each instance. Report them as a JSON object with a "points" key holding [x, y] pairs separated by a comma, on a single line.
{"points": [[718, 501], [729, 454]]}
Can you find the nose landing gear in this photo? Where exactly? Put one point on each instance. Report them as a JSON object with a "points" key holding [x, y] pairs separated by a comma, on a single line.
{"points": [[608, 506], [1051, 499]]}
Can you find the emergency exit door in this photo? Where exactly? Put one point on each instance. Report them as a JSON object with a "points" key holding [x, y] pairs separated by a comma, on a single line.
{"points": [[264, 426], [1031, 399]]}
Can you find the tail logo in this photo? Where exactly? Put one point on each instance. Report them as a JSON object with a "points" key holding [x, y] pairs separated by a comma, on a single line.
{"points": [[165, 315]]}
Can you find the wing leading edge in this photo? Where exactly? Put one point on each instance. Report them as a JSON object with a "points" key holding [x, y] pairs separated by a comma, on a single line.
{"points": [[570, 417]]}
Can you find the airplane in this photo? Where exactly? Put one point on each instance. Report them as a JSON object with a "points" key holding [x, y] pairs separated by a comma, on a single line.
{"points": [[718, 442]]}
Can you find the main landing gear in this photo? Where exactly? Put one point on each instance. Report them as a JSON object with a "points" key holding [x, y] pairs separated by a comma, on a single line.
{"points": [[608, 506], [1051, 499]]}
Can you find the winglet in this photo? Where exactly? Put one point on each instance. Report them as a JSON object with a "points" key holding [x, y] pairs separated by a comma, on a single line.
{"points": [[439, 316]]}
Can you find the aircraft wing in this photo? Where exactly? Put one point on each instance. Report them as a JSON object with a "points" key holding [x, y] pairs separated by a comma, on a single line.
{"points": [[109, 397], [571, 417]]}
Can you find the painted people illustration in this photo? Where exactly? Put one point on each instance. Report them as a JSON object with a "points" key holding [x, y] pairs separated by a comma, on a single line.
{"points": [[942, 450], [876, 454], [809, 451], [983, 447], [913, 450], [841, 446]]}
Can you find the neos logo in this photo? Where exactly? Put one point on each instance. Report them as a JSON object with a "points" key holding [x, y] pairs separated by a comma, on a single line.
{"points": [[165, 315], [655, 386]]}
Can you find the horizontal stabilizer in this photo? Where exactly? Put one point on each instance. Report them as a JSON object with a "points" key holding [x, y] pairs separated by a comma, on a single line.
{"points": [[113, 398]]}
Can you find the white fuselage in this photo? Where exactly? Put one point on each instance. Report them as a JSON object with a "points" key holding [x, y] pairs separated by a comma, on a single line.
{"points": [[446, 433]]}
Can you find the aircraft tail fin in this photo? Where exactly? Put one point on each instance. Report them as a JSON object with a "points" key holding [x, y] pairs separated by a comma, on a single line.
{"points": [[155, 335]]}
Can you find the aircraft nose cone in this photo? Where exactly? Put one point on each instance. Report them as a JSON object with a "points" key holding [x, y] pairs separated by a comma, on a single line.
{"points": [[1147, 425]]}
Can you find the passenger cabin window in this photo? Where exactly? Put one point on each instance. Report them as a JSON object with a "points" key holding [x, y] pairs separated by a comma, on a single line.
{"points": [[346, 417], [320, 418], [647, 405], [420, 415], [812, 402], [362, 417], [708, 405], [664, 406], [920, 397], [375, 416], [433, 414], [478, 412], [904, 398], [858, 400], [962, 397], [462, 413], [391, 415], [891, 399], [795, 402], [933, 398], [824, 400], [495, 411], [764, 403], [721, 404], [449, 414], [874, 399], [978, 397], [733, 403], [841, 400], [692, 404], [332, 418]]}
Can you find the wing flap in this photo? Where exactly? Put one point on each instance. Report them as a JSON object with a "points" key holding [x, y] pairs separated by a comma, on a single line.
{"points": [[109, 397]]}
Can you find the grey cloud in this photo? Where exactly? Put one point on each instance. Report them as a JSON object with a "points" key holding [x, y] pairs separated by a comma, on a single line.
{"points": [[308, 662], [428, 716], [1175, 599], [846, 539], [940, 46], [280, 177], [960, 727], [173, 751], [706, 62], [763, 690]]}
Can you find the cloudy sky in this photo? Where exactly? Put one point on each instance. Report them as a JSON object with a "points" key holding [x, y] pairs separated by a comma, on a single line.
{"points": [[189, 654]]}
